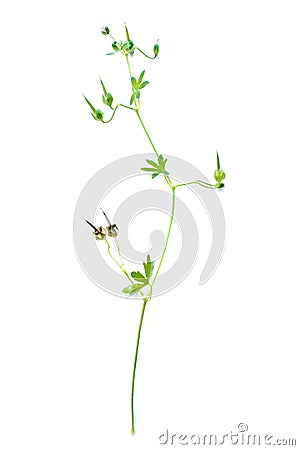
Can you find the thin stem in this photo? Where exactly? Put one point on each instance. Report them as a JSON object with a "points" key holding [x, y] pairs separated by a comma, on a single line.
{"points": [[200, 183], [115, 110], [168, 236], [134, 366], [121, 266], [145, 299], [119, 251], [147, 134], [137, 108], [149, 57]]}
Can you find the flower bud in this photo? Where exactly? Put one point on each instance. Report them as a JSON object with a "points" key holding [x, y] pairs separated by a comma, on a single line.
{"points": [[104, 31], [219, 176], [107, 99], [156, 49], [98, 115]]}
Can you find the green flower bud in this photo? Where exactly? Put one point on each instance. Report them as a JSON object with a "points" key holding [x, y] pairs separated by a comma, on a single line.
{"points": [[107, 99], [98, 115], [156, 50], [219, 175], [104, 31]]}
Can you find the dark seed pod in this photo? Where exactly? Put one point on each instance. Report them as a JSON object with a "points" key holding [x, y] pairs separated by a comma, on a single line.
{"points": [[100, 234], [112, 230]]}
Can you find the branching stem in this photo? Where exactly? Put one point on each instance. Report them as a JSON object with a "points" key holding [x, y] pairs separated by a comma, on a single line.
{"points": [[145, 300]]}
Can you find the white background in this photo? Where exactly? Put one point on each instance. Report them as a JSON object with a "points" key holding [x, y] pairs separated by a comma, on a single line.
{"points": [[211, 356]]}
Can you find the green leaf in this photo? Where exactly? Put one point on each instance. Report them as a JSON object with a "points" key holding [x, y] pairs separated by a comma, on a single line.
{"points": [[133, 288], [144, 84], [152, 163], [132, 97], [159, 167], [148, 267], [148, 169], [137, 94], [139, 277], [134, 83], [115, 46], [141, 77]]}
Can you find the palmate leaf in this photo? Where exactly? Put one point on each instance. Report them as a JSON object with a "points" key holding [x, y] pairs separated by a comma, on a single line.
{"points": [[158, 168], [138, 276], [133, 288], [142, 280], [137, 84]]}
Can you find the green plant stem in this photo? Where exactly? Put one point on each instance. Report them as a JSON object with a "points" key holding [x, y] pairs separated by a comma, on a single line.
{"points": [[149, 57], [134, 365], [200, 183], [147, 134], [167, 237], [121, 266], [137, 110], [145, 299], [115, 110], [130, 75]]}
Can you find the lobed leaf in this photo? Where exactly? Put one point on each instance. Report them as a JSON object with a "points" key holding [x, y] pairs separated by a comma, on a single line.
{"points": [[138, 276], [148, 267], [152, 163], [144, 84], [133, 288], [141, 77], [148, 169], [134, 83]]}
